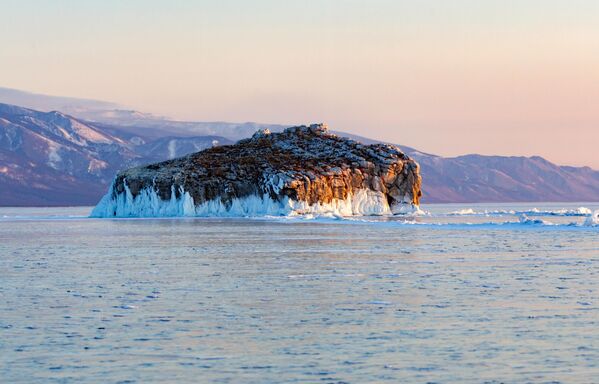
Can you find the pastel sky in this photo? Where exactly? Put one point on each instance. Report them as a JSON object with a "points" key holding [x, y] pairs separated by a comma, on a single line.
{"points": [[447, 77]]}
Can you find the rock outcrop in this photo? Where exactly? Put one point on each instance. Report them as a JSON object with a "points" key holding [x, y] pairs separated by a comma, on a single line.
{"points": [[302, 170]]}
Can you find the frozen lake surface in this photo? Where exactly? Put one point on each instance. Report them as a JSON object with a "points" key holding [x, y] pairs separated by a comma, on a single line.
{"points": [[463, 294]]}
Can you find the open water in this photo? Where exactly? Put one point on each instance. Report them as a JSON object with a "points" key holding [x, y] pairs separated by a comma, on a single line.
{"points": [[463, 294]]}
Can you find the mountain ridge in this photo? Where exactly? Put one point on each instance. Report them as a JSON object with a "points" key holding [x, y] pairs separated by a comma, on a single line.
{"points": [[52, 158]]}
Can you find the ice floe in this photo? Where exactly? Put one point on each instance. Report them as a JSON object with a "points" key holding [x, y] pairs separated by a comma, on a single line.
{"points": [[580, 211], [592, 220]]}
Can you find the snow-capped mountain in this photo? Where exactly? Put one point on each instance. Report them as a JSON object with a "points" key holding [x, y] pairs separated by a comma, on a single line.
{"points": [[49, 158], [52, 158]]}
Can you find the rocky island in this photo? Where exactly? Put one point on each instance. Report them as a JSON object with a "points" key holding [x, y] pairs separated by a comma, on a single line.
{"points": [[302, 170]]}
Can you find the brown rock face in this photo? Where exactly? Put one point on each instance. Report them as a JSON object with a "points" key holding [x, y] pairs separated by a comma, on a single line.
{"points": [[304, 164]]}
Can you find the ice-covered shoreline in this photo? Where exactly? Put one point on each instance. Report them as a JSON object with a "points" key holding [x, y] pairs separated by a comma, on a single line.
{"points": [[431, 217], [364, 206], [147, 203]]}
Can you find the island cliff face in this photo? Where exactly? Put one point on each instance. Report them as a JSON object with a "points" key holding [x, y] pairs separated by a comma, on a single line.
{"points": [[302, 170]]}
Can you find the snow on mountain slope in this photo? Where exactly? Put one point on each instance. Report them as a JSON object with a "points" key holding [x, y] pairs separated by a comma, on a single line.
{"points": [[56, 125], [51, 158]]}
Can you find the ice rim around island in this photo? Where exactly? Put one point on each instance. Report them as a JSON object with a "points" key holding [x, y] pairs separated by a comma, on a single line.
{"points": [[304, 170]]}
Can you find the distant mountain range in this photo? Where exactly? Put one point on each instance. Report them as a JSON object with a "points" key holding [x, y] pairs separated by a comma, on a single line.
{"points": [[478, 178], [52, 158]]}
